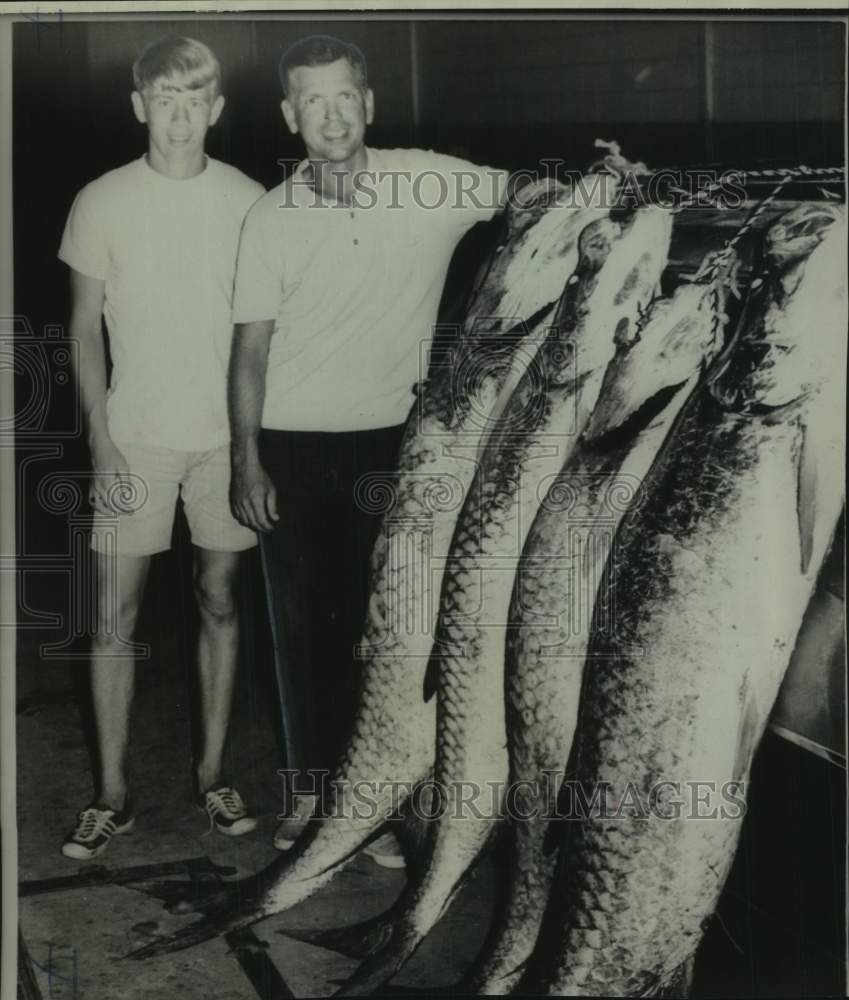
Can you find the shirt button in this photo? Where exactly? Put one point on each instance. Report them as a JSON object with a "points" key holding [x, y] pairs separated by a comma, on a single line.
{"points": [[356, 242]]}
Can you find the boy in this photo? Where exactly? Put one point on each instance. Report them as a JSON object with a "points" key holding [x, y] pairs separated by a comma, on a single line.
{"points": [[152, 246]]}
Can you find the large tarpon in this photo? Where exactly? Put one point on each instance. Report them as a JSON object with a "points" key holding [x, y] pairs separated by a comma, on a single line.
{"points": [[655, 369], [704, 592], [619, 270], [393, 739]]}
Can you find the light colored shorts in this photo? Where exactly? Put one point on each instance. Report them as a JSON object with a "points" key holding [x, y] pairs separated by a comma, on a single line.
{"points": [[157, 477]]}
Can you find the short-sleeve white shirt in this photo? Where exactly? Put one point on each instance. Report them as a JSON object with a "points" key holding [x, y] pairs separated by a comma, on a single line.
{"points": [[354, 289], [166, 250]]}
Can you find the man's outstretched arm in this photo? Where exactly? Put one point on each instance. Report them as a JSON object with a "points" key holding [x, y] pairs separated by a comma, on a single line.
{"points": [[252, 494]]}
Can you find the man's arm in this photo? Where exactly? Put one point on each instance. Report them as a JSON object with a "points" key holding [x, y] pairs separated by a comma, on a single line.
{"points": [[108, 463], [252, 494]]}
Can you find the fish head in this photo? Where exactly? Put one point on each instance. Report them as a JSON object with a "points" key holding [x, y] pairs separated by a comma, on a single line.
{"points": [[673, 341], [527, 206], [787, 356], [621, 262], [556, 361]]}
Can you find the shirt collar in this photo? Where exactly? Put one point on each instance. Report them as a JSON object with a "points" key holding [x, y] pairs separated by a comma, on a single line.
{"points": [[303, 176]]}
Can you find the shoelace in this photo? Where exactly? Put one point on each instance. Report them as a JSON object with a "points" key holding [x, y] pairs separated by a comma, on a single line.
{"points": [[222, 800], [92, 822]]}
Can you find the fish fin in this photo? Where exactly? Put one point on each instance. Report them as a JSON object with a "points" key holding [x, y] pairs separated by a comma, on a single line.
{"points": [[431, 678], [478, 983], [748, 734], [677, 985], [806, 496], [356, 941], [382, 965]]}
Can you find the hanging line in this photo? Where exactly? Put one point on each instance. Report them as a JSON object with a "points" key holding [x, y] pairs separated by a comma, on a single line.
{"points": [[717, 269]]}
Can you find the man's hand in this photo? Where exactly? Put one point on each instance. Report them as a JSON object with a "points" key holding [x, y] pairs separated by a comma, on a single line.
{"points": [[253, 498], [110, 485]]}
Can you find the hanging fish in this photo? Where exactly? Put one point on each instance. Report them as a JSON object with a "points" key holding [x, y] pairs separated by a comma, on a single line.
{"points": [[654, 371], [393, 740], [693, 629], [619, 270]]}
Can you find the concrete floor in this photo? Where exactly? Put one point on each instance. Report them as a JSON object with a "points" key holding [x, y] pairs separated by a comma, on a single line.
{"points": [[781, 917], [76, 937]]}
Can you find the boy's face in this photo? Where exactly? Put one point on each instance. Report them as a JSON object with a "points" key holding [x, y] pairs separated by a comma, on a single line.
{"points": [[330, 109], [177, 118]]}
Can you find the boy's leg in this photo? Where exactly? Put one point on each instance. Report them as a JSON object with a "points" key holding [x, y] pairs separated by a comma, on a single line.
{"points": [[218, 540], [123, 543], [113, 666], [120, 584], [218, 640]]}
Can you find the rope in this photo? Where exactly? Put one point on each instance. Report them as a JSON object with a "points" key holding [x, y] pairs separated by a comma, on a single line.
{"points": [[713, 271], [800, 171]]}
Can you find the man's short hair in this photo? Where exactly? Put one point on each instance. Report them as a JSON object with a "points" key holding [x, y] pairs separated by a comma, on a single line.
{"points": [[320, 50], [171, 57]]}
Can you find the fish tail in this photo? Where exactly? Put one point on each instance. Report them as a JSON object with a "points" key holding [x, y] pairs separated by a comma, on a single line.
{"points": [[492, 986], [377, 970], [357, 940]]}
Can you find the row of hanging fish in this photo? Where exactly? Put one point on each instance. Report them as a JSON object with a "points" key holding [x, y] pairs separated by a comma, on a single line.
{"points": [[619, 510]]}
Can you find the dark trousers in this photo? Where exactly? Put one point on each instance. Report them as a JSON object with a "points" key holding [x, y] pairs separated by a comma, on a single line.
{"points": [[316, 566]]}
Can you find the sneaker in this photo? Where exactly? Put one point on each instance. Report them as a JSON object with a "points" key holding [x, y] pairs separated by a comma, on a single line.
{"points": [[226, 810], [95, 827], [293, 825], [386, 852]]}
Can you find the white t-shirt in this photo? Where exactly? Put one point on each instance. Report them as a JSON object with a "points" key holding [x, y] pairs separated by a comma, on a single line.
{"points": [[167, 252], [354, 290]]}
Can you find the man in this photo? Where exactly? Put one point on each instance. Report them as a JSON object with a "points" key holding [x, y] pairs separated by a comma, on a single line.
{"points": [[153, 245], [338, 282]]}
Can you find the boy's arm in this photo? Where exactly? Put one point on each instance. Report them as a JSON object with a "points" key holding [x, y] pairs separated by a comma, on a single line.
{"points": [[252, 494], [108, 463]]}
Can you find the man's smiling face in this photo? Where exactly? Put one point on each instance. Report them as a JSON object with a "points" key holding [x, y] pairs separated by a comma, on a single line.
{"points": [[328, 106]]}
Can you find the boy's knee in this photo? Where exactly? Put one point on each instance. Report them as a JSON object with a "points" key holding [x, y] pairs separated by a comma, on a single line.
{"points": [[215, 596]]}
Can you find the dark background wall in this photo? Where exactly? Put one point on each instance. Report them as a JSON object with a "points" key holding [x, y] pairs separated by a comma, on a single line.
{"points": [[509, 92], [672, 93], [742, 93]]}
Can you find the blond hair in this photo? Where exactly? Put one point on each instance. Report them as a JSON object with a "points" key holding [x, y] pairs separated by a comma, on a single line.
{"points": [[177, 57]]}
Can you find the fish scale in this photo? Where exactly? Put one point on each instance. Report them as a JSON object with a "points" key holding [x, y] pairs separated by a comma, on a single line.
{"points": [[393, 737], [545, 664], [690, 572], [471, 748]]}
